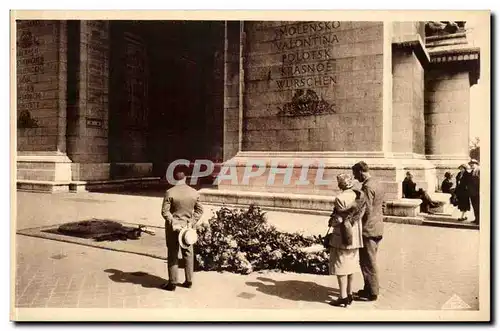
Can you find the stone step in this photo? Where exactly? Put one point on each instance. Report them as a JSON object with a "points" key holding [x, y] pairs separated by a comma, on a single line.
{"points": [[444, 220], [42, 186], [113, 184], [431, 220], [82, 186]]}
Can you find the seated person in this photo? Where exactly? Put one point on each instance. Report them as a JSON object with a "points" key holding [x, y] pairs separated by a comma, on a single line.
{"points": [[409, 187], [447, 184], [410, 192]]}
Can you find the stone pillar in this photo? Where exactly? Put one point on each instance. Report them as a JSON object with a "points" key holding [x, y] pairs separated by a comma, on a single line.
{"points": [[88, 108], [129, 104], [41, 70], [315, 94], [408, 103], [409, 58], [447, 102], [232, 116]]}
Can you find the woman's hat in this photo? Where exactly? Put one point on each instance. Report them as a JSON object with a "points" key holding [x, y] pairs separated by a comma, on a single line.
{"points": [[344, 181], [187, 237], [465, 166]]}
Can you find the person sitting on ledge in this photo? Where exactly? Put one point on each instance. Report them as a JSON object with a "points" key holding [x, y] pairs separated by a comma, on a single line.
{"points": [[447, 184], [410, 192], [409, 187]]}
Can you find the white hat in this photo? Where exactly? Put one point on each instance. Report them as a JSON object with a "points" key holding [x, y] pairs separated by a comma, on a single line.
{"points": [[187, 237]]}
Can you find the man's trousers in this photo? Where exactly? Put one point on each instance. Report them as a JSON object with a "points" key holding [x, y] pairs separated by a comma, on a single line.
{"points": [[172, 238], [368, 264]]}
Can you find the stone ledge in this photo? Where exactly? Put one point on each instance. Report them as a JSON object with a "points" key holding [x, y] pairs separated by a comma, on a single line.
{"points": [[318, 203], [43, 158], [81, 186], [42, 186], [404, 220], [291, 203], [402, 207], [449, 224], [415, 42]]}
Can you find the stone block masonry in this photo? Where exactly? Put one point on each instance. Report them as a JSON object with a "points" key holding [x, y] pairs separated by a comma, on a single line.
{"points": [[41, 85], [325, 73]]}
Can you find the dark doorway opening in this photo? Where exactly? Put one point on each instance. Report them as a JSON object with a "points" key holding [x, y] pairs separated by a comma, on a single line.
{"points": [[166, 92]]}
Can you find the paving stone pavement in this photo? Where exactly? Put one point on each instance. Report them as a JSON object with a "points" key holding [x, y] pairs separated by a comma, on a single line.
{"points": [[420, 267]]}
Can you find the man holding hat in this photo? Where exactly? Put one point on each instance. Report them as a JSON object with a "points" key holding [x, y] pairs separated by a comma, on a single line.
{"points": [[474, 189], [181, 210]]}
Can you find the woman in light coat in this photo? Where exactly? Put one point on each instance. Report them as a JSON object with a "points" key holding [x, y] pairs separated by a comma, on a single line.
{"points": [[349, 206]]}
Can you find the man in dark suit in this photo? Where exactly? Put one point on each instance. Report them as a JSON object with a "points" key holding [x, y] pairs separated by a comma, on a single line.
{"points": [[373, 229], [180, 209], [474, 189]]}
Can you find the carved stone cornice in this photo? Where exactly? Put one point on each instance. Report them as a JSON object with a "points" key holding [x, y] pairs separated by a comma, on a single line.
{"points": [[415, 43], [455, 55], [465, 58]]}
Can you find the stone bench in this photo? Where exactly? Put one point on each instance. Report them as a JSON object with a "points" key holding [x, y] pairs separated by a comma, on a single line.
{"points": [[402, 207], [445, 207]]}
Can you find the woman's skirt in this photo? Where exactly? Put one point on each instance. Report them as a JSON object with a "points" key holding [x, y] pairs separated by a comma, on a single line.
{"points": [[344, 261], [463, 203]]}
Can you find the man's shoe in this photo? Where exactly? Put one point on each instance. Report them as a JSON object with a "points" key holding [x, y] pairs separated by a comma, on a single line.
{"points": [[340, 302], [362, 295], [187, 284], [169, 286]]}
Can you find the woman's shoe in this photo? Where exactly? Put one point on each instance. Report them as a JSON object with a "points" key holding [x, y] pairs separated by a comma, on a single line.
{"points": [[349, 298], [340, 302]]}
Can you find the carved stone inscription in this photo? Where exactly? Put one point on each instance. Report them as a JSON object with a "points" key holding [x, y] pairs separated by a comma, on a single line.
{"points": [[307, 65], [306, 54], [34, 69], [97, 68], [136, 82]]}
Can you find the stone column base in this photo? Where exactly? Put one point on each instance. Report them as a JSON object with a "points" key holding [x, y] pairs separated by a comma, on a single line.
{"points": [[90, 171], [131, 170], [43, 171], [444, 163], [389, 170], [312, 173]]}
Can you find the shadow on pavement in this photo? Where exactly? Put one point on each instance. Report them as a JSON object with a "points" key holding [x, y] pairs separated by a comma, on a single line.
{"points": [[295, 290], [139, 278]]}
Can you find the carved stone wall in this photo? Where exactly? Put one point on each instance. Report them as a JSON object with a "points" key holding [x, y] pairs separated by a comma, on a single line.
{"points": [[88, 99], [41, 85], [129, 106], [313, 86]]}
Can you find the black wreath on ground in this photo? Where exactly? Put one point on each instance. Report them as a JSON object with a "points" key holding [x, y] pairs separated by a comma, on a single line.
{"points": [[100, 230]]}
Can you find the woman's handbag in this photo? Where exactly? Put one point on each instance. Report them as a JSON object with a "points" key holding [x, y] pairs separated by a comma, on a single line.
{"points": [[454, 199], [327, 238]]}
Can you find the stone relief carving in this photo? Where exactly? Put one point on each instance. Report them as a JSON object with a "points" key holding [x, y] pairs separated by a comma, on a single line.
{"points": [[27, 40], [433, 28], [306, 102], [25, 121]]}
